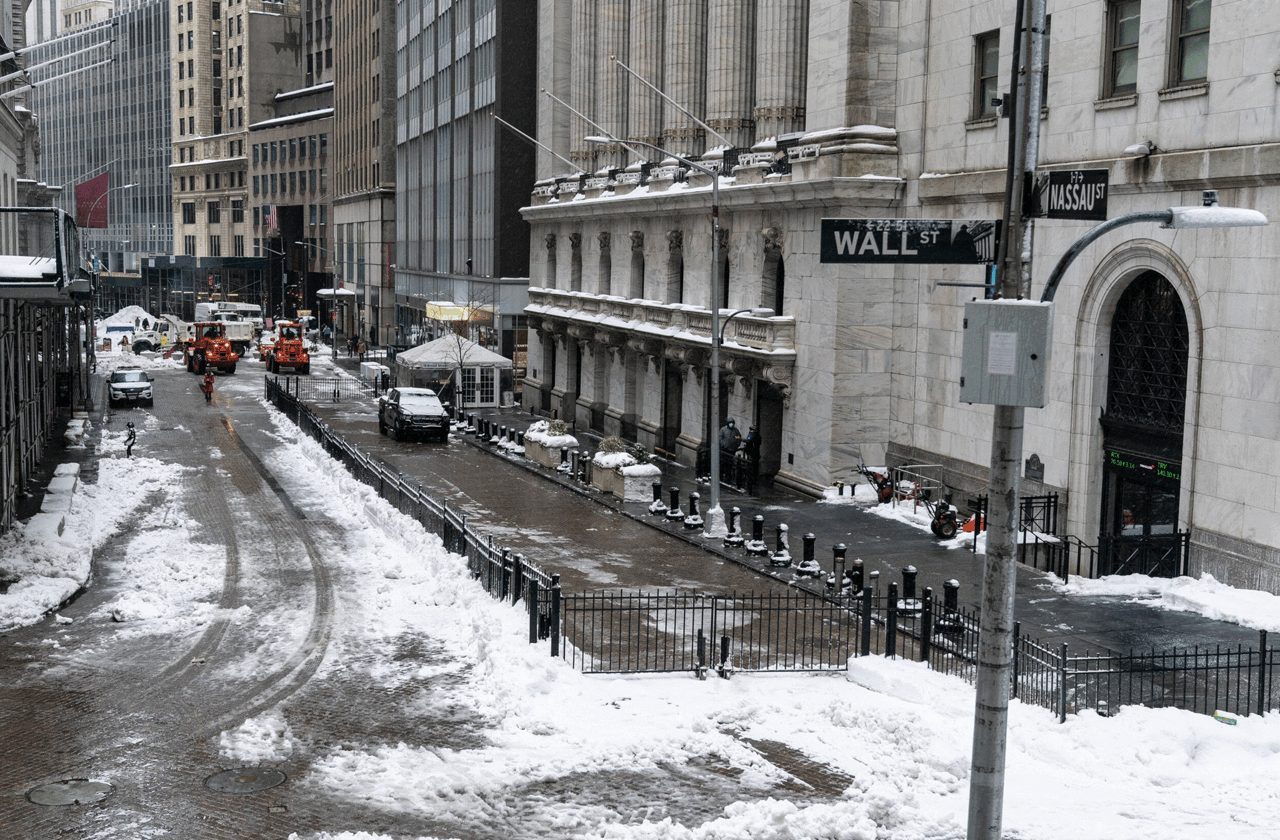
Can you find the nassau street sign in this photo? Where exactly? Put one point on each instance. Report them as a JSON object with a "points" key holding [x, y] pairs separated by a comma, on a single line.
{"points": [[1071, 194], [963, 242]]}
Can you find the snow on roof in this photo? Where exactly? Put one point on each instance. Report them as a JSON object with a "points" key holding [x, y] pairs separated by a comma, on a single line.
{"points": [[443, 354], [28, 268], [293, 118]]}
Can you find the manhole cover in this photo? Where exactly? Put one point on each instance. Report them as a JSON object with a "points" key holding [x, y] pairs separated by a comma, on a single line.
{"points": [[245, 780], [70, 792]]}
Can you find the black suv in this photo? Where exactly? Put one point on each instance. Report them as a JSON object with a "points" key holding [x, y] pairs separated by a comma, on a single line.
{"points": [[404, 412], [129, 385]]}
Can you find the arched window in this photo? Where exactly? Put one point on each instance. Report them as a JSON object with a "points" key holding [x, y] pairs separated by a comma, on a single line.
{"points": [[1147, 381]]}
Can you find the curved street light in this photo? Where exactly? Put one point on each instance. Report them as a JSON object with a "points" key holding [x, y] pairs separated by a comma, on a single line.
{"points": [[715, 524]]}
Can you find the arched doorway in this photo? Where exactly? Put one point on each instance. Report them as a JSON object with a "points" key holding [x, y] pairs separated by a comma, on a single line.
{"points": [[1142, 426]]}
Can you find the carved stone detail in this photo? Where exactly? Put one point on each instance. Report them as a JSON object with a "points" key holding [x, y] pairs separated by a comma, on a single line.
{"points": [[575, 240], [637, 240], [772, 240], [675, 240], [550, 239], [604, 238]]}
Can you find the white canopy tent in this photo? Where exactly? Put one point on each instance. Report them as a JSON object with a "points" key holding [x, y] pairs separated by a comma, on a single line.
{"points": [[453, 363]]}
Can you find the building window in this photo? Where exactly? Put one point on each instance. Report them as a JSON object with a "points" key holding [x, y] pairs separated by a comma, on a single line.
{"points": [[255, 224], [312, 209], [215, 246], [273, 151], [237, 214], [255, 153], [293, 148], [237, 244], [216, 8], [255, 184], [182, 98], [324, 144], [1124, 18], [987, 73], [293, 182], [324, 214], [1191, 59], [188, 212], [189, 245]]}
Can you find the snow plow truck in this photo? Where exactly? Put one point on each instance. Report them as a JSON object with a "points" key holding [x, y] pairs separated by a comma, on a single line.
{"points": [[210, 349], [288, 350]]}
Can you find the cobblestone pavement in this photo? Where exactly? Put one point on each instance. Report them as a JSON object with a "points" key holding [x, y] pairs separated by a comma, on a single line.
{"points": [[83, 700]]}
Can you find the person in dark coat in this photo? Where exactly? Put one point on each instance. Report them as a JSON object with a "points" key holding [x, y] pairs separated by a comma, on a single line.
{"points": [[730, 440], [751, 448], [129, 440]]}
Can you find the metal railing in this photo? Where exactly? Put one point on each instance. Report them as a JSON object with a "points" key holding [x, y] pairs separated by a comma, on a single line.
{"points": [[504, 574], [639, 631]]}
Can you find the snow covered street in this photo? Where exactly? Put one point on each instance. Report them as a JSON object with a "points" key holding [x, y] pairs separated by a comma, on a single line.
{"points": [[252, 605]]}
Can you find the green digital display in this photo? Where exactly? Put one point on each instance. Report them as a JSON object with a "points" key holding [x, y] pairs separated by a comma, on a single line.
{"points": [[1132, 463]]}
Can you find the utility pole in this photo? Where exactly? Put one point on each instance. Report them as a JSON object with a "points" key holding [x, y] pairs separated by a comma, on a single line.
{"points": [[995, 634]]}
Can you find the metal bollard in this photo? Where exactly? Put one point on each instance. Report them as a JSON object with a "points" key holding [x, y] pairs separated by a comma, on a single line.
{"points": [[520, 438], [694, 519], [657, 492], [673, 507], [734, 537], [808, 565], [756, 546], [908, 583], [807, 554], [855, 576], [502, 434], [564, 458], [573, 465], [782, 556], [951, 595], [837, 566], [873, 581]]}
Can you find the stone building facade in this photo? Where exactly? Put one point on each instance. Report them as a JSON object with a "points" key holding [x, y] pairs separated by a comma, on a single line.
{"points": [[1164, 392], [364, 162]]}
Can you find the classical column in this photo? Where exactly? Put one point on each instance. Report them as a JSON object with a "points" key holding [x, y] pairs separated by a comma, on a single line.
{"points": [[582, 82], [611, 81], [686, 65], [782, 54], [646, 42], [731, 46]]}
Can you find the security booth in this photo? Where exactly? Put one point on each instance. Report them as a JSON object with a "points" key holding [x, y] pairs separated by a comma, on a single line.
{"points": [[462, 372]]}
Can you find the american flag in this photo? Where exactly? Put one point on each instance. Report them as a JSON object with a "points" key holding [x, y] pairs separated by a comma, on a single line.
{"points": [[272, 221]]}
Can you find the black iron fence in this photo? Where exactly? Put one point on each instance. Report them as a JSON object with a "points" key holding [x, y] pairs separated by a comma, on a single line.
{"points": [[644, 631], [1160, 555], [318, 390], [503, 574]]}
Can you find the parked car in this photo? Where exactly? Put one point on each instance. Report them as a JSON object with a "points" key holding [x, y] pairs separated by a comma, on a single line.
{"points": [[409, 412], [129, 385]]}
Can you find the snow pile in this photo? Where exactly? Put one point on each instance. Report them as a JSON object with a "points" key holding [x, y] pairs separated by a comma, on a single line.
{"points": [[48, 567], [261, 740], [1204, 596], [130, 316]]}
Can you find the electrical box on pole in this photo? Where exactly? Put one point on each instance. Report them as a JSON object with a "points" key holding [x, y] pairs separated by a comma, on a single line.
{"points": [[1006, 352]]}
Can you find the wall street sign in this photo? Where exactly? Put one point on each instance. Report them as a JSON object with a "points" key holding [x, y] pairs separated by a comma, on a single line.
{"points": [[958, 242], [1071, 194]]}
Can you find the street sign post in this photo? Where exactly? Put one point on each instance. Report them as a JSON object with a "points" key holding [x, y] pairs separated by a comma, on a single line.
{"points": [[956, 242], [1071, 194]]}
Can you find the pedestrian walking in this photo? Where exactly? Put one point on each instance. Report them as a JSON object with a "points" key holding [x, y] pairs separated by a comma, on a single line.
{"points": [[361, 349], [129, 440], [207, 386]]}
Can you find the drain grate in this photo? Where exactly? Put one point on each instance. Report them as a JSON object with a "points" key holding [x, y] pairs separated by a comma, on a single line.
{"points": [[245, 780], [70, 792]]}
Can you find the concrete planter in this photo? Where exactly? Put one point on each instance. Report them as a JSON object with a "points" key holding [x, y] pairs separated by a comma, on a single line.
{"points": [[630, 483], [538, 453]]}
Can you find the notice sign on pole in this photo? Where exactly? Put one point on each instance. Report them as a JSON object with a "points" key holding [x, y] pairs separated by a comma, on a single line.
{"points": [[958, 242], [1072, 194]]}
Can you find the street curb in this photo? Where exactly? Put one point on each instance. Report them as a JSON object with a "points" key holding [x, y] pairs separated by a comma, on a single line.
{"points": [[539, 470]]}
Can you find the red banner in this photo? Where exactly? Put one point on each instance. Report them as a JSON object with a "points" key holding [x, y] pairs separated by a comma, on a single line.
{"points": [[91, 202]]}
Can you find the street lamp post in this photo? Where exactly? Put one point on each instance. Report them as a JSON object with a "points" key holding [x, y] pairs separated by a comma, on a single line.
{"points": [[995, 640], [715, 523], [334, 313], [284, 278]]}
